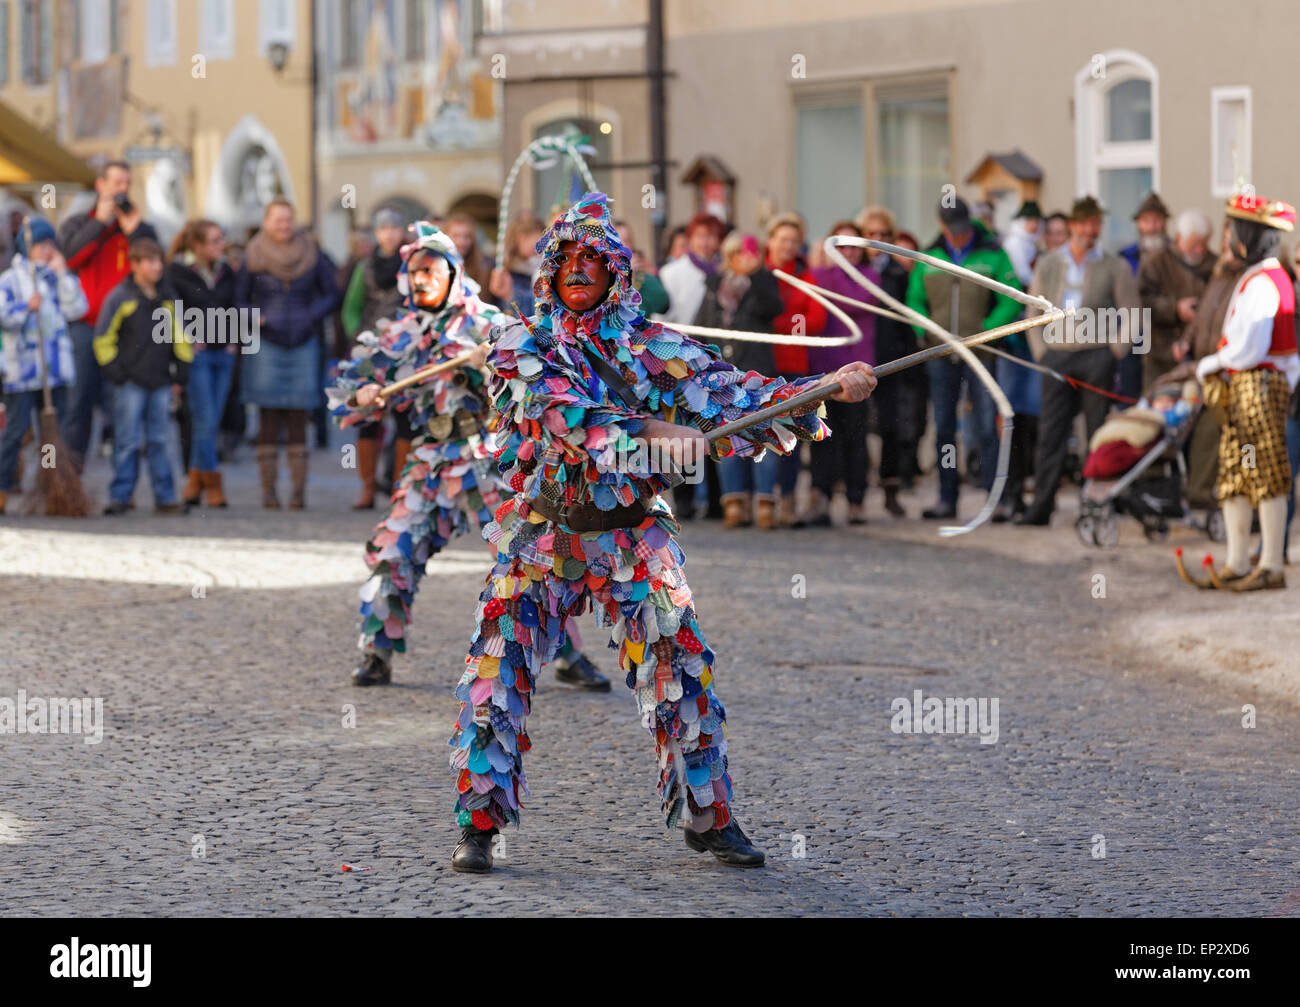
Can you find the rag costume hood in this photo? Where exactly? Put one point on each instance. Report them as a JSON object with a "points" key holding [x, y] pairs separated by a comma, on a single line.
{"points": [[588, 221], [429, 238]]}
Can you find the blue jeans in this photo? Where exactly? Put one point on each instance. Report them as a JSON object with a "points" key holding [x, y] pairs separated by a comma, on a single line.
{"points": [[141, 414], [945, 395], [1023, 387], [88, 391], [20, 410], [209, 384], [743, 475]]}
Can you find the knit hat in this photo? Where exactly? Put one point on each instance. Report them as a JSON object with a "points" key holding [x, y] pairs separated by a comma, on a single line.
{"points": [[388, 217], [39, 229]]}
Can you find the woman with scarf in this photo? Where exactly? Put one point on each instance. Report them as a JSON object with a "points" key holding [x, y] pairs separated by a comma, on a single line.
{"points": [[373, 295], [291, 283], [744, 296], [198, 273], [802, 316]]}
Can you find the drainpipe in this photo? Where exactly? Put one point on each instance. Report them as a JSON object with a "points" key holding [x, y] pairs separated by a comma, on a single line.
{"points": [[658, 124]]}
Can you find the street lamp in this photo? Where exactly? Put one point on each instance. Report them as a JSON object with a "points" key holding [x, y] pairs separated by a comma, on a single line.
{"points": [[278, 53]]}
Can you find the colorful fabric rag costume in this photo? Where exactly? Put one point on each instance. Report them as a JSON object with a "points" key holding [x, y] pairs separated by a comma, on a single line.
{"points": [[571, 392], [449, 474]]}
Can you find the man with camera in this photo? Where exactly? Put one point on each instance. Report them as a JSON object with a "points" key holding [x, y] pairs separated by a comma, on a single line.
{"points": [[95, 245]]}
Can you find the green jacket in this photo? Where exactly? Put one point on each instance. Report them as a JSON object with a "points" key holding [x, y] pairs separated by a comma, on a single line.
{"points": [[654, 298], [962, 307]]}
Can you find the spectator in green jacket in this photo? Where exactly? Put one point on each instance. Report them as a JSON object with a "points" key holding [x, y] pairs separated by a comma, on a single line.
{"points": [[964, 309], [372, 290]]}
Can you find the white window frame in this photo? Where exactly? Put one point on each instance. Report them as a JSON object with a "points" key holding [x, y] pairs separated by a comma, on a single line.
{"points": [[216, 46], [1093, 153], [95, 32], [1218, 96], [268, 33], [159, 50]]}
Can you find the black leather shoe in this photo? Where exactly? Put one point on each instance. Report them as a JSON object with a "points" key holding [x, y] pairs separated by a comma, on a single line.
{"points": [[376, 669], [581, 673], [1007, 511], [113, 509], [1029, 517], [730, 845], [940, 512], [474, 852]]}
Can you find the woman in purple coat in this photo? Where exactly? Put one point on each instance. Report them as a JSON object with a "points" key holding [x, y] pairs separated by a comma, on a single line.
{"points": [[844, 456]]}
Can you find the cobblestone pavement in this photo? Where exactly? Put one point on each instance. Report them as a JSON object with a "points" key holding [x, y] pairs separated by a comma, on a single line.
{"points": [[222, 657]]}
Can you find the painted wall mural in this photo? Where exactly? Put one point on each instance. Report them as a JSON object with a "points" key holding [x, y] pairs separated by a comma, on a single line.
{"points": [[403, 74]]}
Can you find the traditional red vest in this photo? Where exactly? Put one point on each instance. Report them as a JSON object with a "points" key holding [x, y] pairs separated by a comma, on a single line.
{"points": [[1284, 341]]}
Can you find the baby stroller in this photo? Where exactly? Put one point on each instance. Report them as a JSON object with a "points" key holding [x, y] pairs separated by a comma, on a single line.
{"points": [[1152, 489]]}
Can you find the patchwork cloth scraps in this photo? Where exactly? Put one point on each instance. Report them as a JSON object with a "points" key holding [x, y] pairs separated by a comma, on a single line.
{"points": [[449, 475], [632, 578]]}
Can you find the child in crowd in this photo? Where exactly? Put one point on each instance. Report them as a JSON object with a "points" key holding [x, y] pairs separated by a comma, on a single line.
{"points": [[38, 297], [142, 352]]}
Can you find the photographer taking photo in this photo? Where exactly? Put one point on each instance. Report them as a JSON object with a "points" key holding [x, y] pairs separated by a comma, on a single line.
{"points": [[96, 245]]}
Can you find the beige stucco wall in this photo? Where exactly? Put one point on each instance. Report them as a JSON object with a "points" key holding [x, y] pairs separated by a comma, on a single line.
{"points": [[1015, 65], [231, 90]]}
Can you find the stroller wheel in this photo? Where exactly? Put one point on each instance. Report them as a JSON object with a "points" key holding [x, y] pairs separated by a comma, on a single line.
{"points": [[1086, 526], [1107, 534], [1215, 528]]}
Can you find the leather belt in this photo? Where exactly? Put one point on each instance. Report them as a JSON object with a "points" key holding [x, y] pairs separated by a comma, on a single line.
{"points": [[588, 517]]}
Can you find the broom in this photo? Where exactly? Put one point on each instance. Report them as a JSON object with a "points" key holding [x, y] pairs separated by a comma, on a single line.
{"points": [[59, 485]]}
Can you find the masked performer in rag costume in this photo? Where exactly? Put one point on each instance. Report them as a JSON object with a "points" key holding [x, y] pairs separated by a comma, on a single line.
{"points": [[1248, 383], [581, 388], [449, 477]]}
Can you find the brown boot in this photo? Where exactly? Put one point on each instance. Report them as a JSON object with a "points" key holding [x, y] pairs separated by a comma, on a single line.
{"points": [[193, 487], [735, 510], [268, 463], [766, 518], [892, 506], [818, 514], [401, 451], [216, 492], [788, 518], [367, 463], [298, 455], [4, 499]]}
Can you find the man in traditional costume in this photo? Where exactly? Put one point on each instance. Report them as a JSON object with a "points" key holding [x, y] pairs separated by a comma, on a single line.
{"points": [[580, 390], [450, 478]]}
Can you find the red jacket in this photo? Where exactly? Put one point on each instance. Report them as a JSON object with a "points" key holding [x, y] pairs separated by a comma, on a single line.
{"points": [[97, 253], [798, 305]]}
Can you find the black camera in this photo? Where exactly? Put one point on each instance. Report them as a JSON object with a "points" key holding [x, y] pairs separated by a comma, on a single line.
{"points": [[123, 202]]}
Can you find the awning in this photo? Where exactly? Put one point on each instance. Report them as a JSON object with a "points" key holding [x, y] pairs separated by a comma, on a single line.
{"points": [[28, 155]]}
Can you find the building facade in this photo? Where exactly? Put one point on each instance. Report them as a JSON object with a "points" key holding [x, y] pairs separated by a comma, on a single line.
{"points": [[825, 106], [209, 99], [408, 112]]}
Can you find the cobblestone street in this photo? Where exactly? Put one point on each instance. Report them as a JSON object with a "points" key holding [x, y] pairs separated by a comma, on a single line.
{"points": [[227, 781]]}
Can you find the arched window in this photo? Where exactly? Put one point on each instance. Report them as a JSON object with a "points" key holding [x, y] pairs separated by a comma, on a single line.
{"points": [[556, 185], [1116, 122]]}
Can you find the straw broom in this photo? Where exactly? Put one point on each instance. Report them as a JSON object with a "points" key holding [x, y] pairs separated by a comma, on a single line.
{"points": [[57, 484]]}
